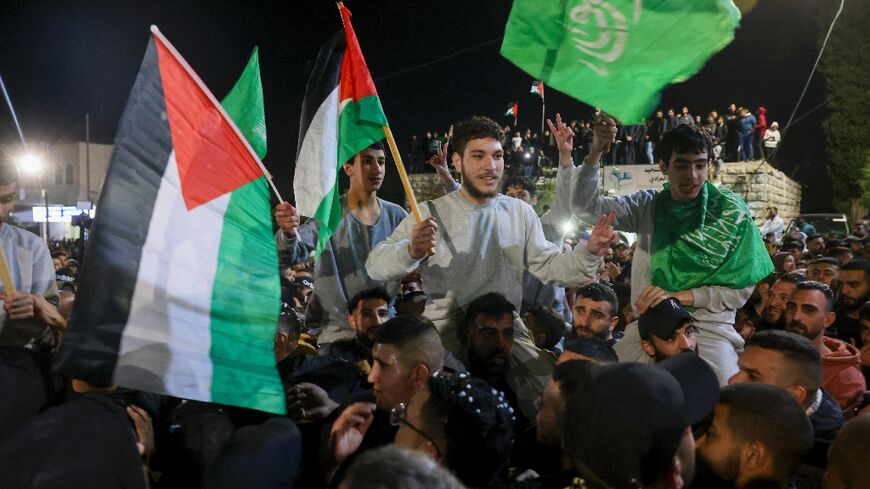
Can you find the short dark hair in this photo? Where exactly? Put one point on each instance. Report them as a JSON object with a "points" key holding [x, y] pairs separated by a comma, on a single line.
{"points": [[518, 181], [492, 305], [377, 145], [793, 245], [770, 415], [477, 423], [804, 360], [374, 293], [9, 173], [593, 348], [549, 323], [824, 289], [477, 127], [599, 292], [826, 259], [840, 251], [571, 376], [683, 139], [415, 337], [859, 264], [790, 278], [815, 236], [395, 466]]}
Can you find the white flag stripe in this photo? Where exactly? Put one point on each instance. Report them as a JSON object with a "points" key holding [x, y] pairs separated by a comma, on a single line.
{"points": [[169, 327], [316, 167]]}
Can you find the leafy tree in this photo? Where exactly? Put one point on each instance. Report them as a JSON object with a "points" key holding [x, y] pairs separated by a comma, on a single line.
{"points": [[846, 67]]}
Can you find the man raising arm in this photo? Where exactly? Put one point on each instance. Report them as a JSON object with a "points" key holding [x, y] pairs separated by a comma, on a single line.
{"points": [[696, 243]]}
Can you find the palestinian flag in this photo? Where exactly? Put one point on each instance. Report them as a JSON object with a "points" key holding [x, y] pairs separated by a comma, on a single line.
{"points": [[179, 290], [513, 110], [341, 116], [538, 88]]}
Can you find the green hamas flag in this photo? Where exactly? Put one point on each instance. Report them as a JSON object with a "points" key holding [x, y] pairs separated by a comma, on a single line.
{"points": [[617, 54]]}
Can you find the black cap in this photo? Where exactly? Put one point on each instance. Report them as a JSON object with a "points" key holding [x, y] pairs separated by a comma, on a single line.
{"points": [[662, 320], [699, 383], [625, 423]]}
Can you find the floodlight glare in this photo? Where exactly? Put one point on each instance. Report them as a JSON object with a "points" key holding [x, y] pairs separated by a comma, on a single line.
{"points": [[30, 163]]}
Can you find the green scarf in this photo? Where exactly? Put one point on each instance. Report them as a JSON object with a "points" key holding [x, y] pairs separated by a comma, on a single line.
{"points": [[711, 240]]}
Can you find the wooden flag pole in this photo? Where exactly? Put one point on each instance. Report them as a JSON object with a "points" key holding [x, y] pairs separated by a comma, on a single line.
{"points": [[406, 183], [5, 276]]}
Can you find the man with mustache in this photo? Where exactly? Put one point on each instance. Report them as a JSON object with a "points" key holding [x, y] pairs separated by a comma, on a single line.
{"points": [[473, 241], [854, 280], [808, 313], [595, 312], [773, 316], [339, 273], [667, 330]]}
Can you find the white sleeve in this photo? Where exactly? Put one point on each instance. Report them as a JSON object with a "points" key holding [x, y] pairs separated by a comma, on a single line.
{"points": [[390, 259], [546, 261], [716, 298]]}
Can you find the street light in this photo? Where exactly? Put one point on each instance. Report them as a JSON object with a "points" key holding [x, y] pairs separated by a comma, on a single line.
{"points": [[31, 163]]}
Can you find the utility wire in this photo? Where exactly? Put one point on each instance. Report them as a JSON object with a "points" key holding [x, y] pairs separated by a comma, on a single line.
{"points": [[443, 58]]}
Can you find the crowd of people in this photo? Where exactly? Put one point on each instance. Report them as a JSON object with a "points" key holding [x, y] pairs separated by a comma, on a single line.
{"points": [[737, 135], [476, 348]]}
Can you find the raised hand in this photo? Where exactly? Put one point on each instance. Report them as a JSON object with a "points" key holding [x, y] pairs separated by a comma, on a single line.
{"points": [[424, 235], [287, 218], [349, 429], [438, 161], [564, 137], [602, 235], [603, 135]]}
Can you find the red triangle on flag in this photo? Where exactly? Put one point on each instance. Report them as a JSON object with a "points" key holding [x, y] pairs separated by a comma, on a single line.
{"points": [[355, 79], [212, 157]]}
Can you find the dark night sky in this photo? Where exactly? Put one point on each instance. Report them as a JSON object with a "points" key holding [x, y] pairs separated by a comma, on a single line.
{"points": [[63, 59]]}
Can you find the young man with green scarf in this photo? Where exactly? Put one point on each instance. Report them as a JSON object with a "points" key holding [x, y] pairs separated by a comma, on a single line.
{"points": [[695, 242]]}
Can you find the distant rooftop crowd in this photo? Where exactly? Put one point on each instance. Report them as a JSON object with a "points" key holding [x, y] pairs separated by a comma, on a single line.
{"points": [[737, 133]]}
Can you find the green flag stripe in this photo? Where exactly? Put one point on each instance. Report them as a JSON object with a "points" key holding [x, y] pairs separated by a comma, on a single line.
{"points": [[246, 303], [360, 124], [244, 103]]}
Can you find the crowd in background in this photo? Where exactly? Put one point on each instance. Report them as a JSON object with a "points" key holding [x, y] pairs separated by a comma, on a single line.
{"points": [[738, 135], [389, 405]]}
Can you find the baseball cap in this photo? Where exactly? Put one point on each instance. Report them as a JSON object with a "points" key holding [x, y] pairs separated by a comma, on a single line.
{"points": [[699, 384], [662, 320], [625, 424]]}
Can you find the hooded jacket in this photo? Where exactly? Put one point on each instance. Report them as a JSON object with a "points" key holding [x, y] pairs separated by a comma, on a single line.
{"points": [[842, 376], [761, 124]]}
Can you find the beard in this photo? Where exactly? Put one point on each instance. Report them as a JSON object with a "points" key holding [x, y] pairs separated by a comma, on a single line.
{"points": [[767, 323], [723, 477], [487, 367], [474, 191], [800, 328], [661, 357], [851, 303]]}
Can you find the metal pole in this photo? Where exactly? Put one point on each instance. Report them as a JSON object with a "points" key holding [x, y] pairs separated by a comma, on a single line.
{"points": [[45, 224], [87, 157]]}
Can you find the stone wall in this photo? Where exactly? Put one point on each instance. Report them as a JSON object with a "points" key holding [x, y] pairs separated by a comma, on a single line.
{"points": [[761, 186]]}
